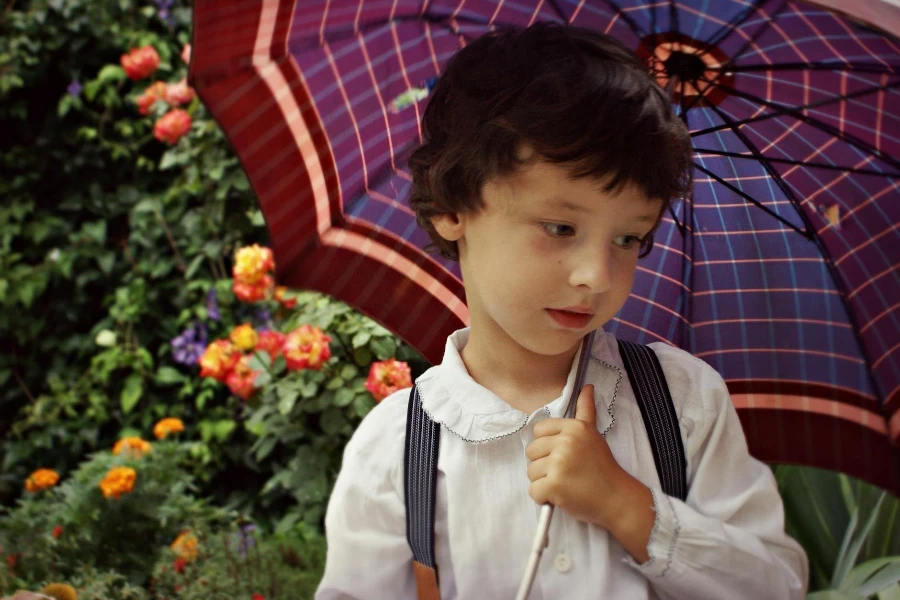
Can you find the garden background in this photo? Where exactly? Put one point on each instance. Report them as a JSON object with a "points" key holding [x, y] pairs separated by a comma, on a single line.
{"points": [[131, 243]]}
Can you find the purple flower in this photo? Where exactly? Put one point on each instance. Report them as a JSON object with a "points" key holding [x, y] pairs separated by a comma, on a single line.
{"points": [[188, 347], [74, 88], [212, 306], [163, 7], [244, 540], [262, 317]]}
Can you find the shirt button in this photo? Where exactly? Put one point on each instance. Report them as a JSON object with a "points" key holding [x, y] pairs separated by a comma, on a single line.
{"points": [[563, 563]]}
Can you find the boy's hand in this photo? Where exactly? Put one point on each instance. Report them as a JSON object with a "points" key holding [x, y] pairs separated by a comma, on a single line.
{"points": [[574, 469]]}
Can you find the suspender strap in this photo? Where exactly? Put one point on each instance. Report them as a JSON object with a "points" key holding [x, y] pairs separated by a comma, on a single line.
{"points": [[649, 384], [423, 438]]}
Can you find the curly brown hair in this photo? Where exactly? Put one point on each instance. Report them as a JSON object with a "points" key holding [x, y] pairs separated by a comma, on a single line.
{"points": [[578, 97]]}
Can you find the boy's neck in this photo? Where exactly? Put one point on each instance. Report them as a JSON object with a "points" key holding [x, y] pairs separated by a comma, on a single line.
{"points": [[523, 379]]}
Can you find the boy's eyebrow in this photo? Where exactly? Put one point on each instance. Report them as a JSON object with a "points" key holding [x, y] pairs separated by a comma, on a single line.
{"points": [[569, 205]]}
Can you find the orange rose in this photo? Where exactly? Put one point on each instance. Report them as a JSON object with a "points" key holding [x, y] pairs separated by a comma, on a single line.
{"points": [[153, 93], [271, 342], [253, 293], [167, 426], [41, 479], [240, 379], [118, 481], [132, 446], [140, 62], [252, 263], [218, 360], [244, 336], [306, 348], [172, 126], [386, 377], [179, 93]]}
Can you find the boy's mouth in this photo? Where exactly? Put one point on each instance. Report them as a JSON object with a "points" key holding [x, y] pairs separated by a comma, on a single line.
{"points": [[572, 319]]}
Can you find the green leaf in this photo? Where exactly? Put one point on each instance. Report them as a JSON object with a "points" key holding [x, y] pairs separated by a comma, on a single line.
{"points": [[111, 73], [384, 348], [343, 397], [195, 264], [882, 579], [222, 429], [361, 339], [332, 420], [363, 404], [264, 447], [853, 543], [832, 595], [891, 593], [131, 393], [169, 375], [106, 261], [95, 231], [287, 398]]}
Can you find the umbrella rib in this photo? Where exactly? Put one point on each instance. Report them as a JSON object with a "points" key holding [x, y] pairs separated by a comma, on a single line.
{"points": [[827, 259], [628, 20], [766, 116], [559, 11], [674, 25], [759, 31], [821, 125], [804, 66], [800, 163], [807, 234], [728, 28]]}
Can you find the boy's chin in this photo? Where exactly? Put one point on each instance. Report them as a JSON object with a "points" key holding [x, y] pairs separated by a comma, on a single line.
{"points": [[553, 342]]}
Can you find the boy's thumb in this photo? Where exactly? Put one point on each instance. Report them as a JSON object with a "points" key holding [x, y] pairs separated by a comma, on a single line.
{"points": [[584, 408]]}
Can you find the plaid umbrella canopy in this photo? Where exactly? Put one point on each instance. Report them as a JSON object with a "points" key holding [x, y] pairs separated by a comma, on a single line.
{"points": [[781, 271]]}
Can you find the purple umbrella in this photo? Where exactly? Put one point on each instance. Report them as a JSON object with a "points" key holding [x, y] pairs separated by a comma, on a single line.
{"points": [[780, 271]]}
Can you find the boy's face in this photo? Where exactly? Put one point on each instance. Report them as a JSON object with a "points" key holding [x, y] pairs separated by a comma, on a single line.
{"points": [[526, 255]]}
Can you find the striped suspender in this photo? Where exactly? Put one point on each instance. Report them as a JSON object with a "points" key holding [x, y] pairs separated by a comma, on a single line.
{"points": [[423, 438], [652, 393]]}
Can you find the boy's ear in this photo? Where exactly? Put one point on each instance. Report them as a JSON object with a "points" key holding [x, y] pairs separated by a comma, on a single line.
{"points": [[448, 225]]}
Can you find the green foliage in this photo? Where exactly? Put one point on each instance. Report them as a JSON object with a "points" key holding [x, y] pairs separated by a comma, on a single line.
{"points": [[122, 534], [849, 529], [109, 239], [235, 564]]}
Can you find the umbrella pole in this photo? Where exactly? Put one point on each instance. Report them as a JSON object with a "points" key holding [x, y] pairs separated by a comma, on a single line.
{"points": [[542, 537]]}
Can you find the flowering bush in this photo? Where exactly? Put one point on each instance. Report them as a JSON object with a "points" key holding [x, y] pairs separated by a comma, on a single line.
{"points": [[41, 479]]}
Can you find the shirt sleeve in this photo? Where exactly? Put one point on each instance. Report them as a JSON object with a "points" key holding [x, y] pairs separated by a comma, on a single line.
{"points": [[727, 540], [365, 524]]}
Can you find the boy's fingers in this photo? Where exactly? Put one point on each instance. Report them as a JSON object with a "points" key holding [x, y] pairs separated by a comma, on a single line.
{"points": [[539, 448], [549, 427], [538, 469], [585, 410]]}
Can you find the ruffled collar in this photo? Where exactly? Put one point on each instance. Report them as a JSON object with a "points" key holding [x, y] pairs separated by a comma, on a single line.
{"points": [[472, 412]]}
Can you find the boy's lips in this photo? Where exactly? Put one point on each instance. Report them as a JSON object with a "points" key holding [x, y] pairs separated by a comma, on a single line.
{"points": [[571, 319]]}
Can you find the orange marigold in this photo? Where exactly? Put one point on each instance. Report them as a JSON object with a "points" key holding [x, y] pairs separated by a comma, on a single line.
{"points": [[41, 480], [119, 481], [167, 426], [185, 546], [133, 446]]}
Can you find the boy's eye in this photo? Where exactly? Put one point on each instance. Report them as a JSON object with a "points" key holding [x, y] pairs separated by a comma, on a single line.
{"points": [[558, 230], [626, 241]]}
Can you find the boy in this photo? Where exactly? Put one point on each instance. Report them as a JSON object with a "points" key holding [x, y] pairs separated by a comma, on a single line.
{"points": [[549, 160]]}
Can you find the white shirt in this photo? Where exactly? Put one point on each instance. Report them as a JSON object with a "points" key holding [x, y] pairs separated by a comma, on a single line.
{"points": [[726, 541]]}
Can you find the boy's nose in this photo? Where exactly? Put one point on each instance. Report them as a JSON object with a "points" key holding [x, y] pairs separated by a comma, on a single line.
{"points": [[593, 271]]}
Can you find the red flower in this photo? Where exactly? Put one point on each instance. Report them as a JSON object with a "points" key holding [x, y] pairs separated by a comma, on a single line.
{"points": [[241, 378], [179, 564], [57, 531], [271, 342], [253, 292], [140, 62], [172, 125], [258, 597], [179, 93], [306, 348], [386, 377], [11, 560], [218, 360], [153, 93]]}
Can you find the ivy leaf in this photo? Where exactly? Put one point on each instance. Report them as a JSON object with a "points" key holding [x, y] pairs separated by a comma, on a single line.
{"points": [[131, 393]]}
